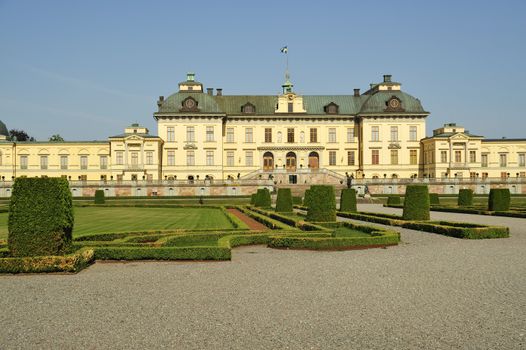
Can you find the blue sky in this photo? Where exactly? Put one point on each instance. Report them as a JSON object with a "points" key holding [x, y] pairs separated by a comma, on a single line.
{"points": [[86, 69]]}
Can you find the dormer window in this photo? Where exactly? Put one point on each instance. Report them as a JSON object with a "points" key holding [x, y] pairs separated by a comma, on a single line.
{"points": [[331, 108], [394, 104], [248, 108]]}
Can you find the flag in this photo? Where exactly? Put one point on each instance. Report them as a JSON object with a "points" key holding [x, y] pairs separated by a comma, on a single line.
{"points": [[284, 49]]}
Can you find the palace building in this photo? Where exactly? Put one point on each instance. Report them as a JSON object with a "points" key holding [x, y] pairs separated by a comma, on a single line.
{"points": [[207, 135]]}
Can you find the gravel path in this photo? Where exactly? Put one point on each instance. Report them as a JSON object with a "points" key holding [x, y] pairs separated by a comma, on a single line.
{"points": [[430, 292]]}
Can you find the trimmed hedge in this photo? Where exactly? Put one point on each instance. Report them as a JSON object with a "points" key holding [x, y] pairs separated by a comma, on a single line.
{"points": [[263, 199], [253, 198], [296, 200], [434, 199], [99, 197], [65, 263], [499, 199], [460, 229], [284, 201], [162, 253], [322, 206], [416, 203], [394, 199], [465, 197], [40, 217], [348, 200], [306, 198]]}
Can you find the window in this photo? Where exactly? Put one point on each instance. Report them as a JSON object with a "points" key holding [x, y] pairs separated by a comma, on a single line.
{"points": [[170, 134], [290, 107], [103, 162], [134, 158], [248, 109], [249, 158], [472, 156], [394, 156], [249, 135], [412, 133], [63, 162], [394, 133], [350, 134], [413, 157], [230, 158], [120, 158], [209, 157], [331, 109], [375, 157], [229, 135], [313, 135], [149, 158], [209, 133], [332, 157], [190, 134], [23, 162], [190, 158], [484, 160], [522, 159], [458, 156], [43, 162], [290, 135], [268, 135], [350, 158], [171, 157], [332, 135], [443, 156], [375, 133], [84, 162], [503, 159]]}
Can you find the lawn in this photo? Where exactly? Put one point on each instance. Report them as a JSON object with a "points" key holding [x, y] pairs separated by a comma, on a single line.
{"points": [[343, 231], [92, 220]]}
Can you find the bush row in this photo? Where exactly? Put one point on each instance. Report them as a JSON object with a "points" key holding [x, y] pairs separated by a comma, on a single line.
{"points": [[265, 220], [162, 253], [56, 263], [302, 225]]}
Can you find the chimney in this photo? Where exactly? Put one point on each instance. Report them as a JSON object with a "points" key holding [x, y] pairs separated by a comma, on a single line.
{"points": [[219, 92], [356, 92], [387, 78], [372, 85], [210, 91]]}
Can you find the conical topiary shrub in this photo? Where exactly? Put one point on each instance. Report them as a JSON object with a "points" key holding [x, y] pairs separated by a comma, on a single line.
{"points": [[263, 198], [499, 199], [465, 197], [348, 200], [284, 201], [322, 206], [416, 203], [99, 197], [434, 199], [393, 199]]}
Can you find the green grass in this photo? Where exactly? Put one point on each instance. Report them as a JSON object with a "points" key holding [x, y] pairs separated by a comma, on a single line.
{"points": [[93, 220], [343, 231]]}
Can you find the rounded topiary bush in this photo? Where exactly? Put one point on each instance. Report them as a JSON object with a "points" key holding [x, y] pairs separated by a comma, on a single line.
{"points": [[465, 197], [322, 204], [416, 203], [306, 198], [284, 200], [499, 199], [434, 199], [99, 197], [348, 200], [40, 217], [263, 198], [393, 199]]}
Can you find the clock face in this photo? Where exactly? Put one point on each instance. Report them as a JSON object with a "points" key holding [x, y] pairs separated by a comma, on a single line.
{"points": [[291, 96], [394, 103], [189, 103]]}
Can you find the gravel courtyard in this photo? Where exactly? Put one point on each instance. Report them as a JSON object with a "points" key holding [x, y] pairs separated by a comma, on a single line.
{"points": [[430, 292]]}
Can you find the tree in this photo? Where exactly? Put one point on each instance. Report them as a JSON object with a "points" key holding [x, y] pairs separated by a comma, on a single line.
{"points": [[56, 138], [19, 135]]}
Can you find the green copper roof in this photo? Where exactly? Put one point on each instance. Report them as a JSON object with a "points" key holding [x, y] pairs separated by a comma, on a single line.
{"points": [[231, 105], [3, 129], [205, 102], [376, 103]]}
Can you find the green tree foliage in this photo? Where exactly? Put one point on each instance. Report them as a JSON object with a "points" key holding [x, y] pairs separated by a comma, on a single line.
{"points": [[56, 138], [416, 203], [499, 199], [19, 135], [40, 217], [322, 206], [465, 197], [348, 200], [284, 201]]}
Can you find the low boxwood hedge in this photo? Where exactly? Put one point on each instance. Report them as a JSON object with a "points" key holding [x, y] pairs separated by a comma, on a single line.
{"points": [[499, 199], [459, 229], [162, 253], [73, 262]]}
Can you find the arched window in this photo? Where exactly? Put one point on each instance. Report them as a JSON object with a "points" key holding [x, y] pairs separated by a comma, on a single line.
{"points": [[248, 108]]}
